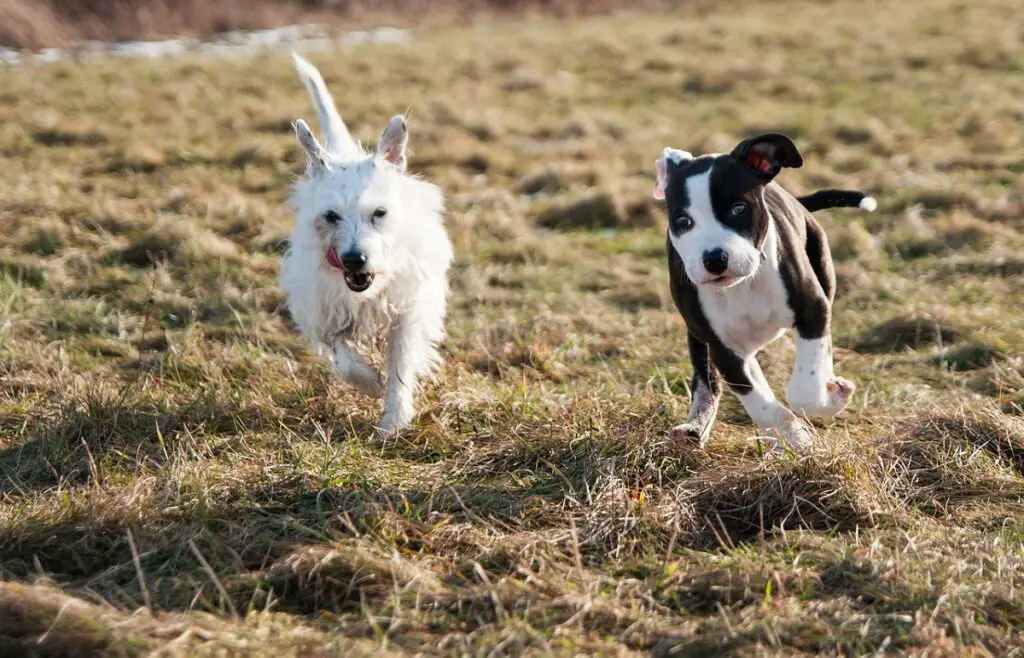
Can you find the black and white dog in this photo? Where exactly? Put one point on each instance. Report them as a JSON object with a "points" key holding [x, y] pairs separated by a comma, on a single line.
{"points": [[747, 262]]}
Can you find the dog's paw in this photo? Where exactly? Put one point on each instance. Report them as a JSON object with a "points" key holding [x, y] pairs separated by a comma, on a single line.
{"points": [[390, 426], [396, 419], [687, 433], [795, 436], [825, 403], [840, 392]]}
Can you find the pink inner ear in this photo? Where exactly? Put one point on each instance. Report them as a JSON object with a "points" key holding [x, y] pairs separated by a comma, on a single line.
{"points": [[760, 163], [659, 190], [393, 153], [659, 187]]}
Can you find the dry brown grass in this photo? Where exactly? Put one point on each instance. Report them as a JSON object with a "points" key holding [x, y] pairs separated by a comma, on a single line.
{"points": [[179, 475]]}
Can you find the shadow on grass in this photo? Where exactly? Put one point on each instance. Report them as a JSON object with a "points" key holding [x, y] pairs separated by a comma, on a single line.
{"points": [[251, 538]]}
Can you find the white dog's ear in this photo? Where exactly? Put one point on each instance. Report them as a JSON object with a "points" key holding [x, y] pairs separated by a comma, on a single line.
{"points": [[316, 158], [392, 142], [670, 156]]}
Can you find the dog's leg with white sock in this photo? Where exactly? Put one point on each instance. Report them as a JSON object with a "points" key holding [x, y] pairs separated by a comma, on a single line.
{"points": [[353, 369], [705, 392], [814, 389], [770, 414]]}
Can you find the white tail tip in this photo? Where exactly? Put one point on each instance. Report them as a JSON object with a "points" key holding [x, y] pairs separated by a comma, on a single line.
{"points": [[303, 65], [868, 203]]}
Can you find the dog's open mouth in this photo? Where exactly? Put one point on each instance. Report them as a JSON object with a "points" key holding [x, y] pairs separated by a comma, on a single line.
{"points": [[358, 281], [724, 280]]}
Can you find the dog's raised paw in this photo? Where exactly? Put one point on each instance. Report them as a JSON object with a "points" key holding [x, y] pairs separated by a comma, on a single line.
{"points": [[840, 392], [823, 403]]}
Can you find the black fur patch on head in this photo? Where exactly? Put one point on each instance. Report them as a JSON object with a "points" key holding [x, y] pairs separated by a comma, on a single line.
{"points": [[732, 183], [677, 197]]}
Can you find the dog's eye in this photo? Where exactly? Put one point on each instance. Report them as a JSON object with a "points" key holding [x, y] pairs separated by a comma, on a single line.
{"points": [[682, 222], [380, 213], [332, 217], [739, 208]]}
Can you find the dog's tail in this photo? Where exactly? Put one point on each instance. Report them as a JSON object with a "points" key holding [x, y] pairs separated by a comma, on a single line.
{"points": [[838, 199], [337, 139]]}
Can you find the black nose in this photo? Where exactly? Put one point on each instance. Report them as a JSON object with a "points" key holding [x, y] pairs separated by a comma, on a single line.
{"points": [[716, 261], [353, 261]]}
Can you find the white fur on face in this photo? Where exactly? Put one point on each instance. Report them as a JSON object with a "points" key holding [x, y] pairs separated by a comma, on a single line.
{"points": [[354, 191], [708, 234], [410, 237]]}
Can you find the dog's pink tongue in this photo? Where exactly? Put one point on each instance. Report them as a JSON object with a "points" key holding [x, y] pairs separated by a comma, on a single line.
{"points": [[332, 258]]}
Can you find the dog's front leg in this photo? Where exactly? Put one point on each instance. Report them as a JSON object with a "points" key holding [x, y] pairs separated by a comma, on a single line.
{"points": [[410, 353], [705, 392], [353, 369], [747, 381], [813, 388]]}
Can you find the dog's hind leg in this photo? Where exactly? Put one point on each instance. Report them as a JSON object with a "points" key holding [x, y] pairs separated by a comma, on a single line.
{"points": [[353, 369], [705, 392]]}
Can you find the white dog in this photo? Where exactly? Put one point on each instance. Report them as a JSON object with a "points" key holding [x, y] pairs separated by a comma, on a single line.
{"points": [[369, 255]]}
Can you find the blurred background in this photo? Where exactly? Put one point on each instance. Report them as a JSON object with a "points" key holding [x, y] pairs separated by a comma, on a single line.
{"points": [[35, 24]]}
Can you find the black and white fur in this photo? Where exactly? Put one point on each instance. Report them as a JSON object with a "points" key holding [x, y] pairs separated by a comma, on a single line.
{"points": [[748, 262]]}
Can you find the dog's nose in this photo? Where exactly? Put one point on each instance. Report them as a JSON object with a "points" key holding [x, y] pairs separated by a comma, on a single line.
{"points": [[353, 261], [716, 261]]}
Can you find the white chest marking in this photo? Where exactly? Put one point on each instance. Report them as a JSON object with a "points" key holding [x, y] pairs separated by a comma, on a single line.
{"points": [[754, 312]]}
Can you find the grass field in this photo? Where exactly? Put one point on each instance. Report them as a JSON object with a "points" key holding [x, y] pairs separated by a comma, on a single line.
{"points": [[179, 475]]}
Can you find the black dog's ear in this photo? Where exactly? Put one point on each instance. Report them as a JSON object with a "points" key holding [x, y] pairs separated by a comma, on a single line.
{"points": [[767, 154]]}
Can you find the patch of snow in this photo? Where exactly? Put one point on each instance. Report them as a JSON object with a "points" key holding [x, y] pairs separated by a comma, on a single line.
{"points": [[305, 38]]}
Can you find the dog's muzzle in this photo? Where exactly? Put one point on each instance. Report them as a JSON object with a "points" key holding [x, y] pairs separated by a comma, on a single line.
{"points": [[351, 265]]}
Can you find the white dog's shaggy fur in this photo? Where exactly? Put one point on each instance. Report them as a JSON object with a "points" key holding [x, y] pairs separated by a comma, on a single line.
{"points": [[369, 256]]}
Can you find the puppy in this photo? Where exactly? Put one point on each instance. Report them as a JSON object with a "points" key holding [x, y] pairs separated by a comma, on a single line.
{"points": [[748, 262], [368, 257]]}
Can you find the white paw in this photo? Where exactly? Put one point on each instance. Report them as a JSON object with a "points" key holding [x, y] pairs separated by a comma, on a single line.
{"points": [[689, 433], [824, 403], [795, 436], [396, 420], [840, 392]]}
